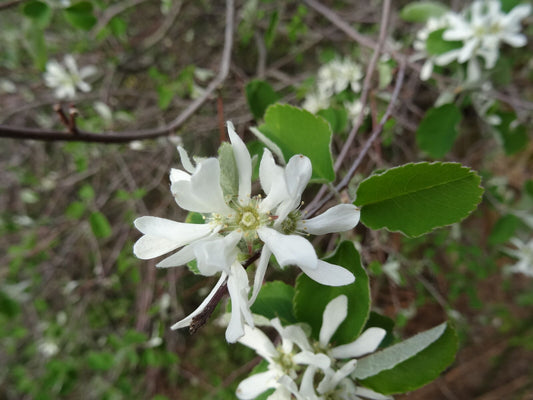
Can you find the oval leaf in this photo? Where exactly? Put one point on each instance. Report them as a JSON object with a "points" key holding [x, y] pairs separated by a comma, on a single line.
{"points": [[260, 95], [275, 300], [410, 364], [100, 225], [417, 198], [297, 131], [438, 130], [80, 15], [421, 11], [311, 297]]}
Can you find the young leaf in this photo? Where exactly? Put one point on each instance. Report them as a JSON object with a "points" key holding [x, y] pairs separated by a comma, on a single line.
{"points": [[38, 11], [504, 229], [100, 225], [275, 300], [438, 130], [417, 198], [311, 297], [421, 11], [410, 364], [297, 131], [260, 95], [80, 15]]}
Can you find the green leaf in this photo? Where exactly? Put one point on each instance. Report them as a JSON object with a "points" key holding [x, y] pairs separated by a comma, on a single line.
{"points": [[38, 11], [229, 175], [165, 95], [410, 364], [528, 187], [311, 297], [504, 229], [337, 118], [438, 130], [421, 11], [37, 46], [8, 307], [514, 136], [508, 5], [297, 131], [260, 95], [100, 361], [270, 33], [381, 321], [417, 198], [75, 210], [100, 225], [80, 15], [435, 43], [275, 300]]}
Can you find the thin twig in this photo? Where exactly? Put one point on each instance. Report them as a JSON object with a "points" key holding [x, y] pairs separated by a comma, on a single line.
{"points": [[160, 33], [9, 4], [151, 133], [113, 11], [314, 207]]}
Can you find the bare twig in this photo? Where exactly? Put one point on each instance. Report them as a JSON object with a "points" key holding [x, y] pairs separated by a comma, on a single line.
{"points": [[160, 33], [151, 133], [113, 11]]}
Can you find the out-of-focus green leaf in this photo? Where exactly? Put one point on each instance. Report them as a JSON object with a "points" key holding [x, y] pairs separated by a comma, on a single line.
{"points": [[436, 45], [275, 300], [438, 130], [421, 11], [260, 95], [80, 15], [100, 225]]}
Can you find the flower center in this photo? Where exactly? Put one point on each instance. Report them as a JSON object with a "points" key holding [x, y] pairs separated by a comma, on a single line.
{"points": [[248, 219]]}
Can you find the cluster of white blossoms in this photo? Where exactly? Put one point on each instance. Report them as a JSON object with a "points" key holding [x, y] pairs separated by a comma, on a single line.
{"points": [[524, 253], [333, 78], [239, 225], [299, 362], [478, 32], [66, 79]]}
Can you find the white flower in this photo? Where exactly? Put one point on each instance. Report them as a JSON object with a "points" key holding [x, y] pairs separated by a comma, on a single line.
{"points": [[524, 254], [234, 226], [338, 75], [65, 81], [315, 101], [284, 361]]}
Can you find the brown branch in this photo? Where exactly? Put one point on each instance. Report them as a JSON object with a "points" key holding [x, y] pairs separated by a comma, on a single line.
{"points": [[9, 4], [200, 320], [151, 133]]}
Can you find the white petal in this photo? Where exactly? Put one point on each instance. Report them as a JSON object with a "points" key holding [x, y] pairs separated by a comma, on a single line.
{"points": [[321, 361], [307, 387], [256, 384], [148, 247], [368, 342], [244, 164], [427, 69], [178, 175], [370, 394], [185, 160], [238, 291], [178, 232], [203, 192], [187, 320], [289, 249], [71, 64], [473, 70], [260, 273], [87, 71], [297, 173], [334, 313], [272, 179], [269, 143], [340, 218], [515, 40], [296, 335], [330, 274], [180, 258], [83, 86], [217, 255], [255, 339]]}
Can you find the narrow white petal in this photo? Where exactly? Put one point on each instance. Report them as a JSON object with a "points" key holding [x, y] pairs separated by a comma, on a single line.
{"points": [[256, 384], [203, 192], [334, 313], [296, 335], [187, 320], [370, 394], [297, 173], [244, 164], [83, 86], [427, 69], [515, 40], [321, 361], [329, 274], [185, 160], [255, 339], [340, 218], [289, 249], [148, 247], [368, 342], [273, 182], [307, 387], [260, 273], [87, 71], [238, 291], [178, 232], [269, 143], [177, 259], [178, 175], [71, 64]]}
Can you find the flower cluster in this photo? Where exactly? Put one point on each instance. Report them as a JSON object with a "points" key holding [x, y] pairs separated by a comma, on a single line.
{"points": [[238, 226], [65, 81], [298, 361], [477, 32], [332, 79], [524, 253]]}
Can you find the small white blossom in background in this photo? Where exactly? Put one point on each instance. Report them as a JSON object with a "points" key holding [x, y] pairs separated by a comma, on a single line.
{"points": [[333, 78], [481, 29], [237, 224], [325, 364], [66, 78], [524, 253], [47, 348]]}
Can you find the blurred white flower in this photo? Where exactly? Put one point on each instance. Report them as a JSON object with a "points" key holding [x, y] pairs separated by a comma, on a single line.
{"points": [[47, 348], [66, 79], [315, 101], [524, 253], [338, 75]]}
